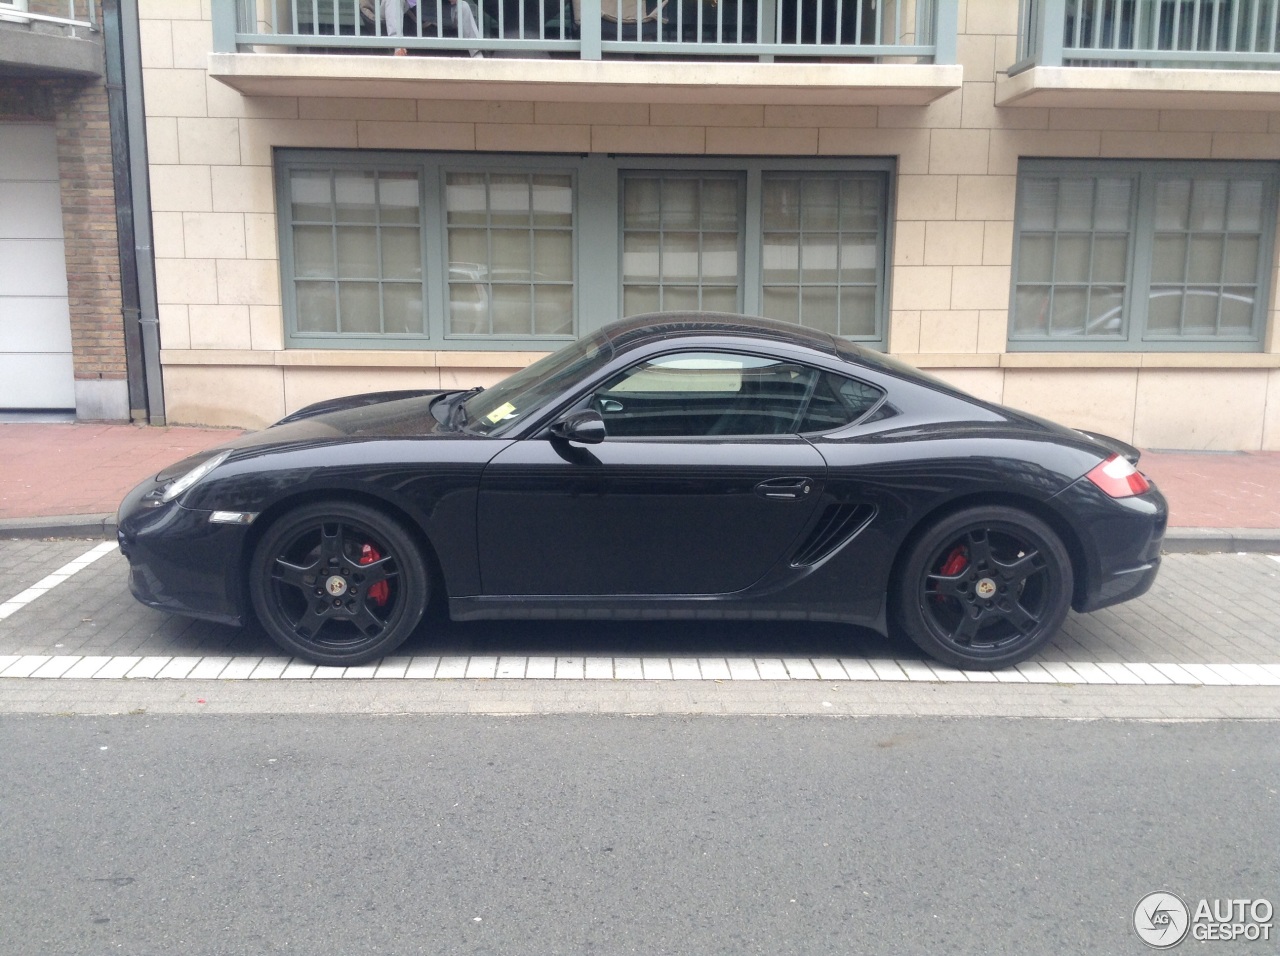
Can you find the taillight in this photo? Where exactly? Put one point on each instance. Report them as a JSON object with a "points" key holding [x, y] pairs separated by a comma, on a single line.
{"points": [[1118, 478]]}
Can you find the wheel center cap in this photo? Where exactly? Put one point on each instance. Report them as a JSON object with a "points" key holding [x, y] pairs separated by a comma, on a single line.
{"points": [[336, 585], [985, 588]]}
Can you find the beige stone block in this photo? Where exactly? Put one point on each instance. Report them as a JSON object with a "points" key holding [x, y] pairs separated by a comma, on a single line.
{"points": [[911, 146], [853, 117], [1246, 146], [304, 386], [959, 151], [951, 243], [181, 189], [380, 135], [1124, 120], [908, 243], [926, 197], [1202, 409], [997, 244], [466, 377], [266, 327], [672, 140], [224, 101], [248, 282], [790, 141], [986, 197], [260, 238], [192, 43], [175, 333], [162, 140], [167, 235], [942, 113], [904, 331], [948, 331], [213, 141], [186, 281], [605, 114], [155, 40], [242, 397], [258, 136], [174, 92], [1216, 121], [922, 287], [220, 327], [1093, 399], [1271, 421], [1165, 145], [991, 16], [1006, 51], [1009, 145], [242, 189], [984, 383], [213, 235], [170, 10], [993, 330], [358, 108], [462, 111], [977, 54], [980, 287], [980, 111], [517, 137], [693, 114]]}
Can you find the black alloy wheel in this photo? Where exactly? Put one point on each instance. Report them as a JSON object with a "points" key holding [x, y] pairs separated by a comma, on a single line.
{"points": [[338, 584], [985, 588]]}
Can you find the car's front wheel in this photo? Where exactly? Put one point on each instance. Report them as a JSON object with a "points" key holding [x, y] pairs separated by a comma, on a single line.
{"points": [[338, 584], [984, 588]]}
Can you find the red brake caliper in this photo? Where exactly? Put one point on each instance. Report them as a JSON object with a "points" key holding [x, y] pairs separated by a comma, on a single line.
{"points": [[956, 562], [378, 593]]}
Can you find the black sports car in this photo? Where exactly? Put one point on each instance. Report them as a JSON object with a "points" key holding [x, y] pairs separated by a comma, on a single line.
{"points": [[675, 465]]}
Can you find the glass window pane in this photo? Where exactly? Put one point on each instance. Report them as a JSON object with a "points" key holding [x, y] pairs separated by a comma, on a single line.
{"points": [[859, 259], [818, 309], [1200, 312], [357, 252], [820, 204], [510, 253], [310, 192], [553, 256], [720, 299], [680, 259], [1242, 259], [401, 254], [640, 258], [681, 298], [509, 203], [1112, 211], [860, 204], [1164, 311], [355, 196], [398, 197], [719, 204], [512, 309], [858, 312], [1169, 259], [1209, 205], [468, 306], [1075, 204], [781, 258], [1237, 307], [1173, 204], [1031, 310], [1106, 312], [1070, 306], [402, 307], [465, 199], [781, 204], [1244, 209], [819, 257], [1205, 264], [313, 252], [469, 247], [552, 201], [680, 204], [1035, 259], [359, 307], [553, 310], [641, 202], [639, 299], [1071, 261], [719, 256], [1039, 205], [782, 304], [1109, 258], [317, 305]]}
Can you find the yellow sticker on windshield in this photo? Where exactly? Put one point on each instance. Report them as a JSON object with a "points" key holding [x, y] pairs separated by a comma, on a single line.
{"points": [[502, 411]]}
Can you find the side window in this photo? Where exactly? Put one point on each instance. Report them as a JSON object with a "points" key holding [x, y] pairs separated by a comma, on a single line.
{"points": [[838, 401], [696, 394]]}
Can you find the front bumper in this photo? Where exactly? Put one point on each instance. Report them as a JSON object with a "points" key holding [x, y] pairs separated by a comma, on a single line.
{"points": [[179, 561]]}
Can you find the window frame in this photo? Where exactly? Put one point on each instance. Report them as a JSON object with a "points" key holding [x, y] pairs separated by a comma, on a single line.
{"points": [[597, 234], [1146, 175]]}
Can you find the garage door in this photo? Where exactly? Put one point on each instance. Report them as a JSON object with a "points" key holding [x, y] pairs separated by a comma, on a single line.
{"points": [[35, 321]]}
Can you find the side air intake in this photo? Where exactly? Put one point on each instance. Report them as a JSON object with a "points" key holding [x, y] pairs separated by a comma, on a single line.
{"points": [[839, 523]]}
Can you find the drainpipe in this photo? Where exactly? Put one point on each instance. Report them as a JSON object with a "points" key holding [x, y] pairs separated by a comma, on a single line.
{"points": [[133, 206]]}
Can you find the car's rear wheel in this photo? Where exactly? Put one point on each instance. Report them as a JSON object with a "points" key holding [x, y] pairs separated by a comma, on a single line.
{"points": [[338, 584], [983, 588]]}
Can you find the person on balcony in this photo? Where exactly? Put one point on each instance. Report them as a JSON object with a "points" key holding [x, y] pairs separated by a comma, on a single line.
{"points": [[458, 13]]}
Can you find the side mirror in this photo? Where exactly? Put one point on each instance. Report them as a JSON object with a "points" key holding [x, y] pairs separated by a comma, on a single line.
{"points": [[586, 427]]}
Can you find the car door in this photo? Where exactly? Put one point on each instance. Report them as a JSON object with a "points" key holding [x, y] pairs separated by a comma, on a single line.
{"points": [[701, 486]]}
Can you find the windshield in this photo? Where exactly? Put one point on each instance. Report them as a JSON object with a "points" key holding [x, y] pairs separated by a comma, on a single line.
{"points": [[497, 408]]}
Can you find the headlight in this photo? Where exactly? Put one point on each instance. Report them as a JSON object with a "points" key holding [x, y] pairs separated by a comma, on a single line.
{"points": [[184, 483]]}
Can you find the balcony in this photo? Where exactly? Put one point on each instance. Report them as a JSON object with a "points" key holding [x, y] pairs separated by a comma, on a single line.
{"points": [[706, 51], [50, 38], [1146, 54]]}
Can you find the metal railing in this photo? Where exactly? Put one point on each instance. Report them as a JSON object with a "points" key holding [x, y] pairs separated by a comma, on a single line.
{"points": [[866, 30], [67, 13], [1194, 34]]}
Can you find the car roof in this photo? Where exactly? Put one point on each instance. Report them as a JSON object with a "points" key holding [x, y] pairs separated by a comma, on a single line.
{"points": [[638, 329]]}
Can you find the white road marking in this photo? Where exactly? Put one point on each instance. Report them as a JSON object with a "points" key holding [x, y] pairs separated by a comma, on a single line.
{"points": [[50, 581], [487, 667]]}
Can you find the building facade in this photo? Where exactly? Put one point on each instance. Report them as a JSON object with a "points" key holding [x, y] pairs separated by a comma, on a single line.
{"points": [[1068, 206]]}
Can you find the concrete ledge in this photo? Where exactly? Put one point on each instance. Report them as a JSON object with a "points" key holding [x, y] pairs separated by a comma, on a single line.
{"points": [[1220, 540], [60, 526]]}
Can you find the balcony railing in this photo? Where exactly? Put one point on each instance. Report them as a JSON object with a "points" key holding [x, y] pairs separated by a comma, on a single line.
{"points": [[65, 13], [901, 31], [1188, 34]]}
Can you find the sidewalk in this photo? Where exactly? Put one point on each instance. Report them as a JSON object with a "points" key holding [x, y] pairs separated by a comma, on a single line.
{"points": [[62, 480]]}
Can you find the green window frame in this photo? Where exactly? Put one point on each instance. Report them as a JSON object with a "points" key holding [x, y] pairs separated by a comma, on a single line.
{"points": [[1142, 255], [468, 278]]}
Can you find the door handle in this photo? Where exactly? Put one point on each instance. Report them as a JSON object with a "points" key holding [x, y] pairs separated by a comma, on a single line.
{"points": [[784, 488]]}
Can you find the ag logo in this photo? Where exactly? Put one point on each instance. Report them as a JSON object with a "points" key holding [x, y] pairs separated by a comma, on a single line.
{"points": [[1161, 920]]}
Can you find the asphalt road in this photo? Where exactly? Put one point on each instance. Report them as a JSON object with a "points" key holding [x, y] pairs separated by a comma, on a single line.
{"points": [[616, 835]]}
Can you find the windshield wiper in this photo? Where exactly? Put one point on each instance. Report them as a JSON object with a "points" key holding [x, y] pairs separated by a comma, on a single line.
{"points": [[457, 414]]}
